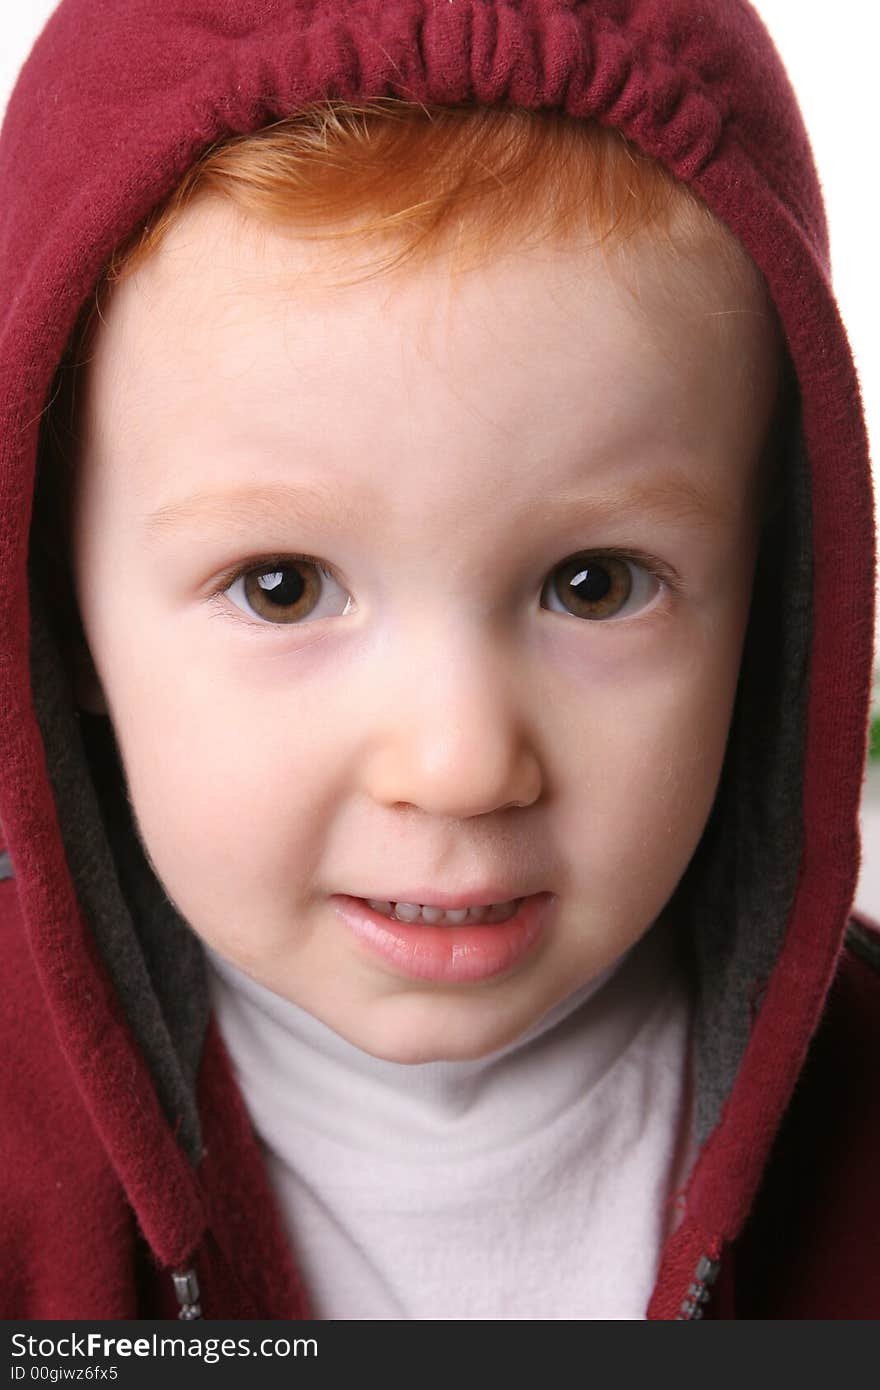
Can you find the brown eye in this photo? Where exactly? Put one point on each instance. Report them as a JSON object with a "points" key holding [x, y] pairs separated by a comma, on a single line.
{"points": [[600, 586], [284, 591]]}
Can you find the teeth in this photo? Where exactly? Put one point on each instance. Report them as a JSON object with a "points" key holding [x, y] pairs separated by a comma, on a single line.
{"points": [[431, 916]]}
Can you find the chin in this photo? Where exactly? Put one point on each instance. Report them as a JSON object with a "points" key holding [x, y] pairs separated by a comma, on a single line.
{"points": [[411, 1045]]}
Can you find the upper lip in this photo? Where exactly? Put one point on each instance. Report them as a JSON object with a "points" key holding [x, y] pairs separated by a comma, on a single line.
{"points": [[433, 897]]}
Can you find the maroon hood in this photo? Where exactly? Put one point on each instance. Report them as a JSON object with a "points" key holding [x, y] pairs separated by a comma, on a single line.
{"points": [[116, 101]]}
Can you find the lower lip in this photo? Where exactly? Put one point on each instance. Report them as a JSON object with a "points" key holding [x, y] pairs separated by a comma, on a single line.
{"points": [[449, 954]]}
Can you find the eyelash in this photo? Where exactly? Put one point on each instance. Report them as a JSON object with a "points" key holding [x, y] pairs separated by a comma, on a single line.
{"points": [[658, 569]]}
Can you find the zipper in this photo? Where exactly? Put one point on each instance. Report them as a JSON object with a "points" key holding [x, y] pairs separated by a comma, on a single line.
{"points": [[699, 1290]]}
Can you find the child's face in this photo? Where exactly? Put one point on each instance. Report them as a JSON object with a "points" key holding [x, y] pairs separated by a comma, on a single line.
{"points": [[448, 708]]}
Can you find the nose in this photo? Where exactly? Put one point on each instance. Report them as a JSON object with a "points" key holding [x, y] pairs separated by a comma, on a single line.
{"points": [[454, 738]]}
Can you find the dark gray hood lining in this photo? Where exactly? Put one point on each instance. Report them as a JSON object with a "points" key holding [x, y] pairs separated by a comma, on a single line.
{"points": [[732, 903], [739, 889], [154, 959]]}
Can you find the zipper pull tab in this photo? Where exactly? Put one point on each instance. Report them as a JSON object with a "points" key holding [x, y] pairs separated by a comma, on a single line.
{"points": [[186, 1287]]}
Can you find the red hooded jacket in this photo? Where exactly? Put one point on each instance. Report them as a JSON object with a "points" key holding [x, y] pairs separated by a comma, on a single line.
{"points": [[127, 1154]]}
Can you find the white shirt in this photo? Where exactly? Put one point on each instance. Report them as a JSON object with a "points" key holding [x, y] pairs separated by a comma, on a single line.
{"points": [[534, 1183]]}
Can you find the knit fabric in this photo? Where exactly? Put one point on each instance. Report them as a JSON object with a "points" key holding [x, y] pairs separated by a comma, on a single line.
{"points": [[404, 1188]]}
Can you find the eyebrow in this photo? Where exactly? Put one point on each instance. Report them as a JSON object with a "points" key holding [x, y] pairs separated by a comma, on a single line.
{"points": [[249, 506], [674, 498]]}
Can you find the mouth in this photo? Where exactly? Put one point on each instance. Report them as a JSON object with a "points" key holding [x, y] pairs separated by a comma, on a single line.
{"points": [[448, 951], [424, 914]]}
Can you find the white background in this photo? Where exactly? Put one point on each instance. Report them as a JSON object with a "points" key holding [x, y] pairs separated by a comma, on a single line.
{"points": [[830, 53]]}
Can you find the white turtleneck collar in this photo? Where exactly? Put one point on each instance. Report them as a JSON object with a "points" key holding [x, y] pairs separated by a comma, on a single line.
{"points": [[530, 1183]]}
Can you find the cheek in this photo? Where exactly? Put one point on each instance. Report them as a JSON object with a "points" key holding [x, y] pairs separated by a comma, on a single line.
{"points": [[226, 793], [645, 768]]}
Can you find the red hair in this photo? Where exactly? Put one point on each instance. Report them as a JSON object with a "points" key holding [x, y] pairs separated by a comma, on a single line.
{"points": [[395, 171]]}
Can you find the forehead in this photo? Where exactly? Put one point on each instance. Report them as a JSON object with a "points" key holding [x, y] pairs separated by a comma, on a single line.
{"points": [[239, 351]]}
